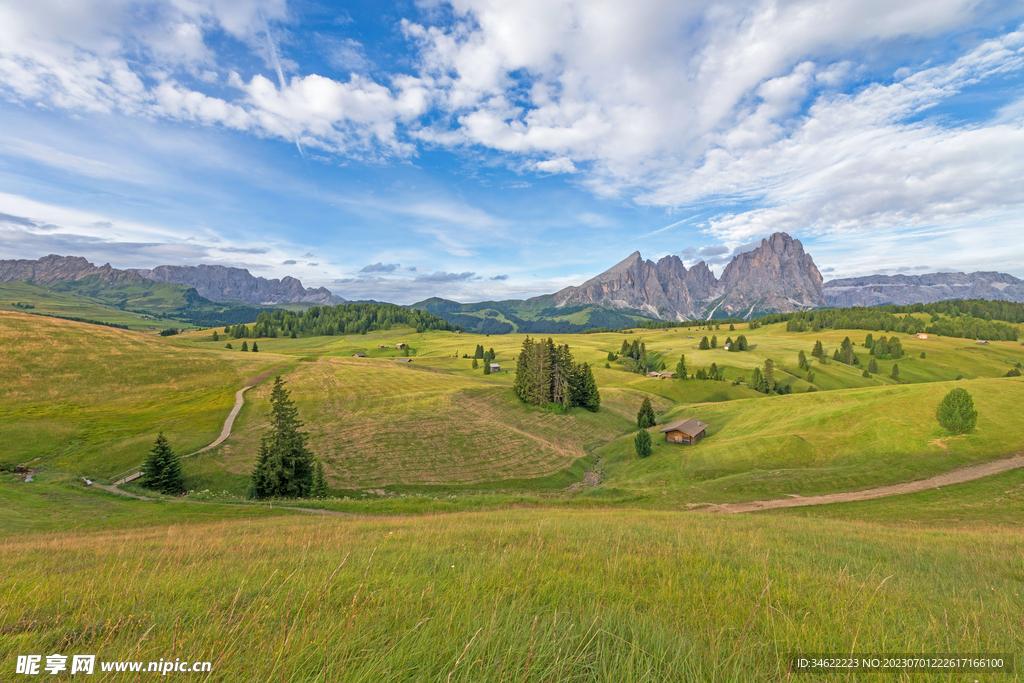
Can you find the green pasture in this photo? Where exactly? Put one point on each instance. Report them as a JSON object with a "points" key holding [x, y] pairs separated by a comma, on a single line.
{"points": [[511, 595]]}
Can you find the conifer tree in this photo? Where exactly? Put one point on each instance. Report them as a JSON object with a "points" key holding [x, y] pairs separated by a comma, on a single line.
{"points": [[835, 355], [895, 374], [646, 418], [681, 367], [810, 376], [869, 341], [624, 351], [293, 335], [284, 465], [611, 357], [215, 336], [319, 482], [255, 348], [228, 345], [769, 374], [741, 343], [475, 364], [714, 341], [163, 468], [245, 346], [642, 443], [521, 384], [704, 344], [818, 351], [487, 366], [873, 366], [802, 360], [732, 328]]}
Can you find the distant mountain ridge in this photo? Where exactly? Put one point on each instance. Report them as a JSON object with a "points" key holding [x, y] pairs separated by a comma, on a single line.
{"points": [[875, 290], [215, 283], [224, 283]]}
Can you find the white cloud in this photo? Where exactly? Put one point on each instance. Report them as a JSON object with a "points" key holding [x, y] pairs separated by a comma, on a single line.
{"points": [[559, 165]]}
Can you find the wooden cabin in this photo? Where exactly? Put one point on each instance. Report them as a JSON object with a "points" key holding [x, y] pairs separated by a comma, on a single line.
{"points": [[400, 345], [404, 360], [921, 335], [495, 367], [359, 355], [688, 431]]}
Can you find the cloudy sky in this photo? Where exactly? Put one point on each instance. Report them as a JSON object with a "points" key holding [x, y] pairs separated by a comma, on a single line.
{"points": [[480, 149]]}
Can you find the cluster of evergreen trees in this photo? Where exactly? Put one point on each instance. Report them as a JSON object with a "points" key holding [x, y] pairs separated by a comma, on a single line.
{"points": [[635, 358], [547, 373], [763, 380], [330, 320], [485, 356], [884, 349]]}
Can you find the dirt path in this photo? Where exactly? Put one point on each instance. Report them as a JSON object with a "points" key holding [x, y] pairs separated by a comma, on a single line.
{"points": [[228, 423], [955, 477], [225, 432]]}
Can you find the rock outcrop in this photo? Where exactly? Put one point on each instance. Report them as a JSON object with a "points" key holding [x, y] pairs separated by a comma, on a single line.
{"points": [[223, 283], [875, 290], [777, 276], [50, 268]]}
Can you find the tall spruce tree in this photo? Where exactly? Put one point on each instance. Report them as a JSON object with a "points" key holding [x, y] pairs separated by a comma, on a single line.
{"points": [[681, 367], [284, 465], [704, 344], [163, 468], [645, 418]]}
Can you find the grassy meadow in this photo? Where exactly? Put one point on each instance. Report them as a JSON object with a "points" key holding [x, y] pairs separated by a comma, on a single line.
{"points": [[53, 302], [458, 552], [513, 595]]}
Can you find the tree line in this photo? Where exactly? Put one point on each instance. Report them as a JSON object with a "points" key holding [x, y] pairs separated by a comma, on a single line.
{"points": [[961, 323], [318, 321]]}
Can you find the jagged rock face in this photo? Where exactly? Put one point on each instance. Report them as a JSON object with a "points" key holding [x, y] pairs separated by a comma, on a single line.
{"points": [[777, 276], [701, 282], [222, 283], [875, 290], [634, 284], [672, 276], [50, 268]]}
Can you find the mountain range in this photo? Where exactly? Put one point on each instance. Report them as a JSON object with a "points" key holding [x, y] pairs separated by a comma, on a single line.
{"points": [[214, 283], [776, 276]]}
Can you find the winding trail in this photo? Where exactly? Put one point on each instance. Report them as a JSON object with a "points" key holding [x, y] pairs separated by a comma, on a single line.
{"points": [[225, 432], [228, 423], [959, 476]]}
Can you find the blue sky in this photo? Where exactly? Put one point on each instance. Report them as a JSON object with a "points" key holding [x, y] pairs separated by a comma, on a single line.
{"points": [[482, 149]]}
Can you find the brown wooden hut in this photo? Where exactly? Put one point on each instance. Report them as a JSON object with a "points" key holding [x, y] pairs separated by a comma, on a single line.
{"points": [[688, 431]]}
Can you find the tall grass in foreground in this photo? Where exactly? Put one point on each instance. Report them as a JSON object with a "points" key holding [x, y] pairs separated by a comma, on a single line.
{"points": [[509, 596]]}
